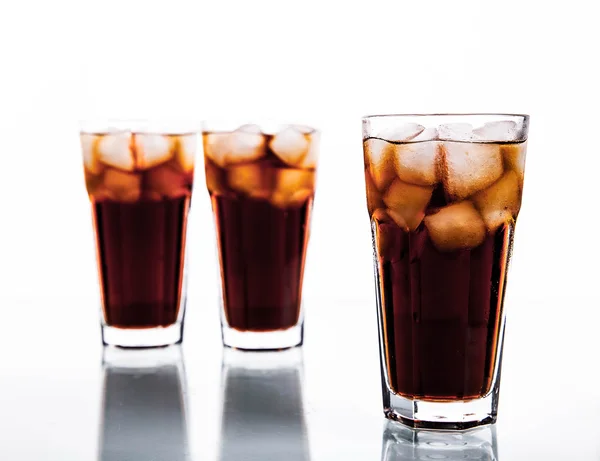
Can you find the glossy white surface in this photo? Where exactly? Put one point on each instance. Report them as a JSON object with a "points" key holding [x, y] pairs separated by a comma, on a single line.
{"points": [[59, 402]]}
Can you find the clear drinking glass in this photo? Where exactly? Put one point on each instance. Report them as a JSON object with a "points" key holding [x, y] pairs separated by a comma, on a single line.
{"points": [[443, 194], [139, 179], [261, 181], [143, 405], [404, 444], [263, 407]]}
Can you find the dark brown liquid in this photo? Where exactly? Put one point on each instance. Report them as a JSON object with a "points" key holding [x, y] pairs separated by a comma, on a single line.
{"points": [[441, 312], [140, 253], [262, 250]]}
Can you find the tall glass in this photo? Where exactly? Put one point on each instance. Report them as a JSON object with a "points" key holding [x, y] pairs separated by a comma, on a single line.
{"points": [[139, 179], [443, 194], [261, 182]]}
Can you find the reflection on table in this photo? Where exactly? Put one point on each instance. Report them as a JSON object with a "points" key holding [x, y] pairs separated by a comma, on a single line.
{"points": [[144, 409], [403, 444], [263, 409]]}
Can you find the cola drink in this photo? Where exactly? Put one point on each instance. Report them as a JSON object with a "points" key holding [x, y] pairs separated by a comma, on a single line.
{"points": [[140, 186], [262, 189], [443, 204]]}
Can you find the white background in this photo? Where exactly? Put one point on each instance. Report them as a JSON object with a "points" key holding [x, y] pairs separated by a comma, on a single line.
{"points": [[327, 63]]}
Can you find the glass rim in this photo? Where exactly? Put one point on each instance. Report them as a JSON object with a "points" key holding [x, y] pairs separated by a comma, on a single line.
{"points": [[448, 114], [166, 126], [266, 125]]}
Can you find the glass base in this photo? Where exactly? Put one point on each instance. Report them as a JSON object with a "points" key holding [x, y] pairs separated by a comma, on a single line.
{"points": [[457, 415], [263, 340], [142, 337], [407, 444]]}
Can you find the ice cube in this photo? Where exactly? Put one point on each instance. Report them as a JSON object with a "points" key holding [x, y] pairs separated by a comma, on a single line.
{"points": [[456, 132], [293, 187], [114, 149], [380, 158], [374, 199], [399, 220], [246, 144], [381, 215], [93, 182], [499, 203], [152, 149], [514, 159], [125, 187], [215, 178], [290, 145], [251, 179], [185, 153], [417, 163], [296, 199], [90, 155], [305, 129], [456, 227], [289, 180], [167, 182], [216, 147], [505, 130], [408, 201], [403, 132], [429, 134], [468, 167], [310, 159]]}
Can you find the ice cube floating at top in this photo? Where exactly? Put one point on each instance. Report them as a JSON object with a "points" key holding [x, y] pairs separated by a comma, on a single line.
{"points": [[127, 166], [451, 177], [279, 168]]}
